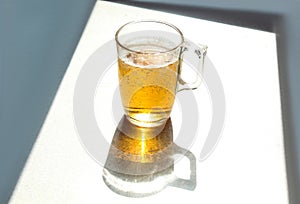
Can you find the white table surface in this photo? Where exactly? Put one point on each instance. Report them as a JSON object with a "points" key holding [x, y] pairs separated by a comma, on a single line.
{"points": [[248, 163]]}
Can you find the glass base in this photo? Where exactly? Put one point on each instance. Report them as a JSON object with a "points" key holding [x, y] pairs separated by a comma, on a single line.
{"points": [[147, 123]]}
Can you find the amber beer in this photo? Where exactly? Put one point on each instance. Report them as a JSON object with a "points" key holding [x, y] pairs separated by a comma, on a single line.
{"points": [[149, 58], [148, 86]]}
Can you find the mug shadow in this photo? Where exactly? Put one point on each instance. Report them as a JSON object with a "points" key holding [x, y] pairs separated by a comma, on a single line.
{"points": [[141, 160]]}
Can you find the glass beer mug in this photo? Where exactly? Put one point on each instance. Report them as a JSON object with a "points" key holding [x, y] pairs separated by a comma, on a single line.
{"points": [[150, 55]]}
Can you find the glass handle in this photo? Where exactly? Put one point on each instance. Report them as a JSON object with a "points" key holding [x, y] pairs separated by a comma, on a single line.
{"points": [[195, 55]]}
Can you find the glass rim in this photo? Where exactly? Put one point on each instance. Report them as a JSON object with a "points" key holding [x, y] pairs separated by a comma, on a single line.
{"points": [[149, 21]]}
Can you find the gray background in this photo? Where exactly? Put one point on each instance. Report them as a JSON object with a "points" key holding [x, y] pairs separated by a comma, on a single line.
{"points": [[38, 38]]}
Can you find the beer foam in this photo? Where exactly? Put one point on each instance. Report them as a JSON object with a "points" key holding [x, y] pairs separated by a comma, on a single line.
{"points": [[149, 59]]}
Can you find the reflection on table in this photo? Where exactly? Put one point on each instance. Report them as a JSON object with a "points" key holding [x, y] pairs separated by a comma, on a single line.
{"points": [[141, 160]]}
